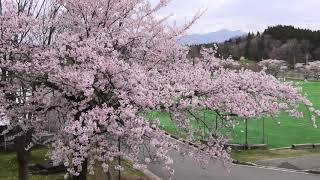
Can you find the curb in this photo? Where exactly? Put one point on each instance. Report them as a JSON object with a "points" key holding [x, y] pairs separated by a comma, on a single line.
{"points": [[282, 169], [151, 175], [282, 148], [244, 163], [307, 171], [279, 169], [310, 171]]}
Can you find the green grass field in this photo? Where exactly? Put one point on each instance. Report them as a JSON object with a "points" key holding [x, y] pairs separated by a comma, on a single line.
{"points": [[289, 131], [9, 169]]}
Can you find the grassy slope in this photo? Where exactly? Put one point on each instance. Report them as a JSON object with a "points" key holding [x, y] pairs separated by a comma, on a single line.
{"points": [[8, 169], [289, 131], [255, 155]]}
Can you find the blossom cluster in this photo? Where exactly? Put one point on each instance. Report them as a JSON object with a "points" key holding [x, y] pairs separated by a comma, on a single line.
{"points": [[90, 68]]}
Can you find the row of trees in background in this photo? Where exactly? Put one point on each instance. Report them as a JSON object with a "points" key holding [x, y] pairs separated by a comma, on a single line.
{"points": [[279, 68], [92, 67], [288, 43], [310, 70]]}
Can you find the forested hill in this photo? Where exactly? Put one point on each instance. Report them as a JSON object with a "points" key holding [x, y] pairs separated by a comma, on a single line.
{"points": [[278, 42]]}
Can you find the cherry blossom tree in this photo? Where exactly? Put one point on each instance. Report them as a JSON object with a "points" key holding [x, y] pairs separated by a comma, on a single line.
{"points": [[208, 56], [315, 69], [99, 58], [23, 112], [274, 66], [98, 64], [312, 69]]}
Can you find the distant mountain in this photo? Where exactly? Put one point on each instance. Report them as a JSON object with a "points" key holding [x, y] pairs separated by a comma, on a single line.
{"points": [[289, 43], [213, 37]]}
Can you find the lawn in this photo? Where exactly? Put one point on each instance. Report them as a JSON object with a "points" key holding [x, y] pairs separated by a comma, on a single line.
{"points": [[256, 155], [8, 169], [279, 131]]}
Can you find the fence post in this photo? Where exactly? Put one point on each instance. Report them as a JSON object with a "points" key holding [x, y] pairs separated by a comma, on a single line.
{"points": [[204, 128], [216, 122], [263, 135], [246, 133], [119, 158]]}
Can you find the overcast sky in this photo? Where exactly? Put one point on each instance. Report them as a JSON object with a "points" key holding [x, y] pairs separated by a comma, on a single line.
{"points": [[245, 15]]}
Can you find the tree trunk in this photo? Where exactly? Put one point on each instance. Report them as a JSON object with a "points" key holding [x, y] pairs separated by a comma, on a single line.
{"points": [[83, 173], [23, 159], [294, 61], [109, 175], [21, 142]]}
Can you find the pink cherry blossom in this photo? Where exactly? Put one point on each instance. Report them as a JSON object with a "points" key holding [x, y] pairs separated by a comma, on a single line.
{"points": [[88, 69]]}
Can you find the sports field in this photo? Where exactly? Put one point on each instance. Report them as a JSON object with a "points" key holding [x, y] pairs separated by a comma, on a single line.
{"points": [[279, 131]]}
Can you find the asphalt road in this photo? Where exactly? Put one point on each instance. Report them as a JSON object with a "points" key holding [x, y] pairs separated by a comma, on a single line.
{"points": [[304, 162], [187, 169]]}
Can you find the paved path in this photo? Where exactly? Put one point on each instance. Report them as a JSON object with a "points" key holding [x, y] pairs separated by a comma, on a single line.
{"points": [[298, 163], [187, 170]]}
